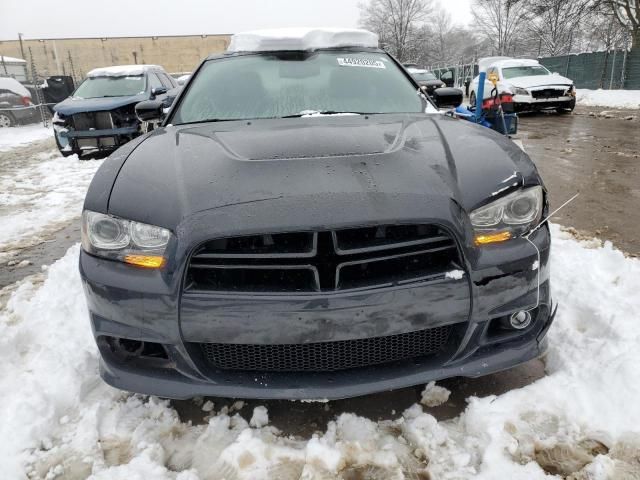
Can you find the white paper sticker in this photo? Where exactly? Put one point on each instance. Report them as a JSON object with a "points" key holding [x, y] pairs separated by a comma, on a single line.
{"points": [[360, 62]]}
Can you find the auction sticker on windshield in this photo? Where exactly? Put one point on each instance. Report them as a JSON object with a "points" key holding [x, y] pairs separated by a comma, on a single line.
{"points": [[360, 62]]}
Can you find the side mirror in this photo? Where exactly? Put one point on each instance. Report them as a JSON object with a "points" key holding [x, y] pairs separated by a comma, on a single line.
{"points": [[149, 110], [446, 97], [155, 91]]}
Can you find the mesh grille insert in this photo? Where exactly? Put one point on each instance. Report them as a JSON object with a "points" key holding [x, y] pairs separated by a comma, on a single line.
{"points": [[326, 356]]}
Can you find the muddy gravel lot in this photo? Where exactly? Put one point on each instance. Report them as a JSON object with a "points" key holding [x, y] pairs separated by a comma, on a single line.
{"points": [[596, 153], [593, 152]]}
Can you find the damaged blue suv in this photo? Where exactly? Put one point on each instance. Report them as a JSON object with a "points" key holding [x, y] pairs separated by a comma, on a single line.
{"points": [[306, 224], [100, 114]]}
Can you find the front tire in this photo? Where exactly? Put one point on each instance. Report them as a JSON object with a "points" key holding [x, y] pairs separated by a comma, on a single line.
{"points": [[6, 120], [568, 108], [472, 98]]}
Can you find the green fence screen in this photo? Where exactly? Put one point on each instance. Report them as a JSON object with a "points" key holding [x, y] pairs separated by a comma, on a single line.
{"points": [[614, 69]]}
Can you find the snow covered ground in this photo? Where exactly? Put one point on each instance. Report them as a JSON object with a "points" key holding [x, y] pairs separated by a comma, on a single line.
{"points": [[18, 136], [608, 98], [39, 193], [61, 421]]}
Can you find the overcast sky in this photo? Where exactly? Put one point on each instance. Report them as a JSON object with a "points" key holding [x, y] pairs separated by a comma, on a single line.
{"points": [[92, 18]]}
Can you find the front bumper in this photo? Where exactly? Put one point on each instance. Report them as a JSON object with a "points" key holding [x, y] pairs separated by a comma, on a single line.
{"points": [[143, 305], [103, 140], [525, 103]]}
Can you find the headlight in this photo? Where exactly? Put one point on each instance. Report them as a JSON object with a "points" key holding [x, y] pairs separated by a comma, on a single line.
{"points": [[571, 91], [58, 119], [124, 240], [507, 217], [520, 91]]}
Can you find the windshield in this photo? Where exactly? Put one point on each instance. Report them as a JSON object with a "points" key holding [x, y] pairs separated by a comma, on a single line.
{"points": [[96, 87], [424, 76], [513, 72], [296, 83]]}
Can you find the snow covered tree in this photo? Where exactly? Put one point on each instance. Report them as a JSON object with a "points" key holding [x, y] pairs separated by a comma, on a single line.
{"points": [[398, 24]]}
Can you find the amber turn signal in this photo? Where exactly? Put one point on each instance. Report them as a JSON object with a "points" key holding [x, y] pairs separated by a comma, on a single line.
{"points": [[147, 261], [484, 239]]}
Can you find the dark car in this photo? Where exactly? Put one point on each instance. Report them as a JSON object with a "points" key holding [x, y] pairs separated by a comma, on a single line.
{"points": [[426, 79], [100, 114], [305, 224], [16, 106]]}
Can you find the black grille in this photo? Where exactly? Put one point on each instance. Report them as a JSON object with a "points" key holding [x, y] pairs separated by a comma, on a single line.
{"points": [[306, 262], [326, 356], [548, 93], [97, 120]]}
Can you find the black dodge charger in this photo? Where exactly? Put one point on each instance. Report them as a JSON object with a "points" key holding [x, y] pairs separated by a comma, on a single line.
{"points": [[305, 224]]}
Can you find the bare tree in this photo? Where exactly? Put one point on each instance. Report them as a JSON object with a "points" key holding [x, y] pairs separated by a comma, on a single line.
{"points": [[501, 23], [628, 14], [555, 24], [397, 22], [602, 31]]}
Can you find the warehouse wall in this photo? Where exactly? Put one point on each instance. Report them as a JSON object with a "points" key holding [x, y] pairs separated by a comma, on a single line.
{"points": [[60, 56]]}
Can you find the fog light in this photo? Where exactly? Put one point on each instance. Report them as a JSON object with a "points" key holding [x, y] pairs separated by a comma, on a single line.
{"points": [[520, 320], [133, 347]]}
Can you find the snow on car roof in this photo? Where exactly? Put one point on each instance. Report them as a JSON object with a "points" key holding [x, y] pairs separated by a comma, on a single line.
{"points": [[14, 86], [301, 39], [517, 62], [122, 70], [11, 59]]}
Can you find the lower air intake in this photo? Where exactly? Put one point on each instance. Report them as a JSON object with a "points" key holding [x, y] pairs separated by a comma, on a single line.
{"points": [[326, 356]]}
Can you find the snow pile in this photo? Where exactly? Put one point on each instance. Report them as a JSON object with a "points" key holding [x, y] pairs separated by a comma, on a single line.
{"points": [[11, 59], [434, 395], [122, 70], [608, 98], [41, 194], [301, 39], [19, 136], [61, 421]]}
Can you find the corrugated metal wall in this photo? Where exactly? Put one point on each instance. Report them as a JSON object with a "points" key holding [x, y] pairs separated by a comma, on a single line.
{"points": [[614, 69]]}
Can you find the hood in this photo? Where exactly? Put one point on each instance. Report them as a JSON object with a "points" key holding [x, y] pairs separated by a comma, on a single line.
{"points": [[77, 105], [326, 171], [539, 81]]}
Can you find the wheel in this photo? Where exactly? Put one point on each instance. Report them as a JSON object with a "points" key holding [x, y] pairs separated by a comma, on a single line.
{"points": [[6, 120], [567, 108], [472, 98]]}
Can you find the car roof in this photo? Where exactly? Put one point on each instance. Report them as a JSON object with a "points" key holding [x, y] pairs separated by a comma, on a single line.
{"points": [[418, 70], [301, 39], [516, 62], [124, 70], [13, 85]]}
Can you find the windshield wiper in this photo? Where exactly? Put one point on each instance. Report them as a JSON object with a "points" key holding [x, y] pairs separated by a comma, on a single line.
{"points": [[212, 120], [310, 113]]}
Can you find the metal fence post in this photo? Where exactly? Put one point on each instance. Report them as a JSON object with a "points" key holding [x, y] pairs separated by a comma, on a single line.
{"points": [[624, 66], [39, 96], [613, 66]]}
